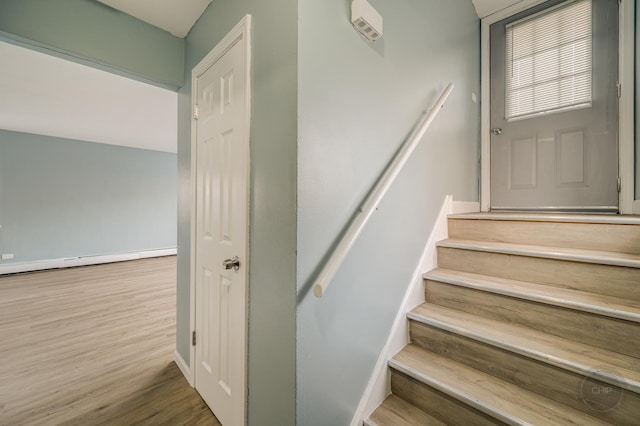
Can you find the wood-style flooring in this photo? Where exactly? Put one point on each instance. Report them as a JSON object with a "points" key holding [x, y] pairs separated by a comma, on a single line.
{"points": [[528, 319], [94, 345]]}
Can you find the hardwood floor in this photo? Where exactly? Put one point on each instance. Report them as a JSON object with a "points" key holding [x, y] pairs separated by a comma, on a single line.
{"points": [[94, 346]]}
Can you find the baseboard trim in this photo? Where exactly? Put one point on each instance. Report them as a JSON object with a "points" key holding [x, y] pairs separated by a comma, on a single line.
{"points": [[378, 387], [460, 207], [184, 367], [41, 265]]}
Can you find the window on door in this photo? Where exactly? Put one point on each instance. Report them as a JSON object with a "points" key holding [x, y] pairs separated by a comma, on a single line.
{"points": [[548, 61]]}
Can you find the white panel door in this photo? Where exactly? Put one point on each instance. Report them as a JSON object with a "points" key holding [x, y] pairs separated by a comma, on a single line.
{"points": [[222, 160], [564, 159]]}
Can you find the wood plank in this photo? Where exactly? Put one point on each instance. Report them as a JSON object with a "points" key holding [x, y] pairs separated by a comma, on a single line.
{"points": [[604, 332], [94, 345], [395, 411], [438, 404], [609, 280], [504, 401], [562, 353], [558, 384], [594, 236], [630, 260], [611, 219], [599, 304]]}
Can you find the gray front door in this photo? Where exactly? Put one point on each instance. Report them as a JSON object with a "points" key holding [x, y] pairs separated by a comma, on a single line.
{"points": [[554, 108]]}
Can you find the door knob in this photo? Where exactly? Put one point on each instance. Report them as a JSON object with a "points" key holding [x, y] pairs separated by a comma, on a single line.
{"points": [[233, 263], [496, 131]]}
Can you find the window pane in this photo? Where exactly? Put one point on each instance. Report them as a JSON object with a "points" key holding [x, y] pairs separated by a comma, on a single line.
{"points": [[549, 61]]}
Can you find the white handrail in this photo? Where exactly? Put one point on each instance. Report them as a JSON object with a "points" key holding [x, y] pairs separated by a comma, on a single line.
{"points": [[375, 196]]}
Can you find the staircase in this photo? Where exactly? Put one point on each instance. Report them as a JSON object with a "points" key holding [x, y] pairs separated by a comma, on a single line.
{"points": [[528, 319]]}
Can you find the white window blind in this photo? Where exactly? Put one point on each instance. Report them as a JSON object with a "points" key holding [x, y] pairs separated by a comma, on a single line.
{"points": [[549, 61]]}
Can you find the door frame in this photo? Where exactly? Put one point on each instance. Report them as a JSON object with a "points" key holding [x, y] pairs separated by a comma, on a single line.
{"points": [[241, 33], [626, 72]]}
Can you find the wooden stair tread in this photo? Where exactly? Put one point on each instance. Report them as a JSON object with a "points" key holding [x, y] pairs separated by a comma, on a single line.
{"points": [[395, 411], [497, 398], [610, 306], [629, 260], [567, 354], [552, 217], [580, 233]]}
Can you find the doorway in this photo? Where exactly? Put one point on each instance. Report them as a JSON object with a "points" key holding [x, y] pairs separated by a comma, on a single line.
{"points": [[220, 160], [554, 108]]}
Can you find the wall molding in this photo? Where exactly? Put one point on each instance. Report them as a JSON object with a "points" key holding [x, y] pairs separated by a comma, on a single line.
{"points": [[626, 104], [184, 367], [379, 385], [70, 262]]}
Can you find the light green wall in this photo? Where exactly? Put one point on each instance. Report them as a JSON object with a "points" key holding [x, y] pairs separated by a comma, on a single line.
{"points": [[357, 102], [324, 125], [272, 303], [62, 198], [89, 32]]}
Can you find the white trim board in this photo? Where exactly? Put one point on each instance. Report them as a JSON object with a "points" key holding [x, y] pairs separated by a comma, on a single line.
{"points": [[626, 104], [379, 385], [184, 368], [40, 265], [626, 114]]}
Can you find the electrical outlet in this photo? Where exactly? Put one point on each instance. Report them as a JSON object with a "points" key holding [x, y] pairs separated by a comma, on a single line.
{"points": [[7, 256]]}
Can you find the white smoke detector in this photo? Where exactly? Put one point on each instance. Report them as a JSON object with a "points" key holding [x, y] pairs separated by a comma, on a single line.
{"points": [[366, 20]]}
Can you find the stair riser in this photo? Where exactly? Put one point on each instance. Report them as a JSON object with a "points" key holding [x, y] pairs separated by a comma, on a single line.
{"points": [[437, 404], [604, 332], [395, 411], [591, 236], [560, 385], [602, 279]]}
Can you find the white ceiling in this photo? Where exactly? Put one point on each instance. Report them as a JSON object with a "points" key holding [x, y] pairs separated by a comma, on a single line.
{"points": [[178, 16], [175, 16], [46, 95], [488, 7]]}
